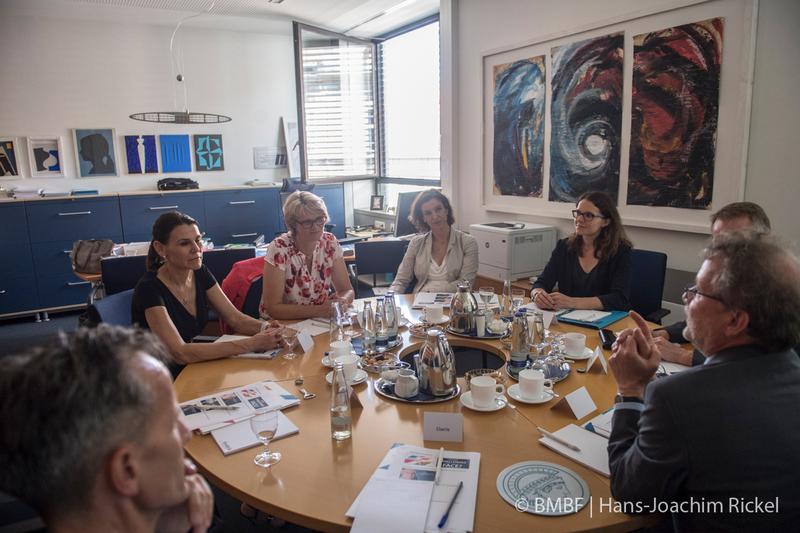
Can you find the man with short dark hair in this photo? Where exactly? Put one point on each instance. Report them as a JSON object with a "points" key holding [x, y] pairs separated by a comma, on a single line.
{"points": [[738, 216], [718, 444], [91, 436]]}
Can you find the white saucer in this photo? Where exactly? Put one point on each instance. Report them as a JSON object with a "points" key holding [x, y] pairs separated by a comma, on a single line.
{"points": [[443, 320], [513, 391], [587, 353], [359, 377], [499, 402]]}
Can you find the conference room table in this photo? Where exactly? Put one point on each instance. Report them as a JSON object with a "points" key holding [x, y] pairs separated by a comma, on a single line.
{"points": [[318, 478]]}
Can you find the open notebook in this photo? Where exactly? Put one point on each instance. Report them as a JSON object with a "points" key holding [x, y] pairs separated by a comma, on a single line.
{"points": [[593, 452]]}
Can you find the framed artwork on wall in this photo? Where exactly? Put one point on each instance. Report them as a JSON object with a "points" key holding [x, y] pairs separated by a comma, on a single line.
{"points": [[175, 153], [208, 153], [376, 202], [141, 154], [9, 167], [652, 108], [95, 152], [45, 155]]}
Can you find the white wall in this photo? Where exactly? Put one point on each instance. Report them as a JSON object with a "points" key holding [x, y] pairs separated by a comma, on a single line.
{"points": [[61, 72], [773, 176]]}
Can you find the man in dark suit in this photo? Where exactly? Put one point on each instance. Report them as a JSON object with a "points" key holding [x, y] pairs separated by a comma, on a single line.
{"points": [[717, 445], [738, 216]]}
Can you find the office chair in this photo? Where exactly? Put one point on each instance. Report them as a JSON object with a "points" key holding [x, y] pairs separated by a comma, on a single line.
{"points": [[220, 262], [121, 273], [253, 298], [114, 309], [647, 284], [375, 257]]}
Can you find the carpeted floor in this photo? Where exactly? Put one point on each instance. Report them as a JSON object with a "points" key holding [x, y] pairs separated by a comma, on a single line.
{"points": [[19, 334]]}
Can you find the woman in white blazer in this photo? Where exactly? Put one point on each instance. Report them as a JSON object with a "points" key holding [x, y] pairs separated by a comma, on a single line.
{"points": [[441, 256]]}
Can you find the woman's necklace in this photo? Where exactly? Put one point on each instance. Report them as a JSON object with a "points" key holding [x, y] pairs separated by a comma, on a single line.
{"points": [[183, 291]]}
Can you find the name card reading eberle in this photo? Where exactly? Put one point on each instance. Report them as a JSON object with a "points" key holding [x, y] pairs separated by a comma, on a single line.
{"points": [[447, 427]]}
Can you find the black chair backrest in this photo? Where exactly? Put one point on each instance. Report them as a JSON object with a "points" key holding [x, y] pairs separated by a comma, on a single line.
{"points": [[220, 262], [647, 280], [114, 309], [253, 298], [122, 273], [379, 257]]}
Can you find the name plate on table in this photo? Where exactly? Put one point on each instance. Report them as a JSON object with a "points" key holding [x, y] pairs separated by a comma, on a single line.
{"points": [[447, 427]]}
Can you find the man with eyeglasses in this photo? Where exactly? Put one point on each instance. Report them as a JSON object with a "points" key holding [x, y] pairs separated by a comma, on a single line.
{"points": [[717, 445], [738, 216]]}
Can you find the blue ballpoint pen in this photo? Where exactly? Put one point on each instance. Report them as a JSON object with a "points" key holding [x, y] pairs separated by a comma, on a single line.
{"points": [[446, 514]]}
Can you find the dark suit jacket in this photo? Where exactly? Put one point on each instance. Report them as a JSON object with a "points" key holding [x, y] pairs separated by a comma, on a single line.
{"points": [[727, 429]]}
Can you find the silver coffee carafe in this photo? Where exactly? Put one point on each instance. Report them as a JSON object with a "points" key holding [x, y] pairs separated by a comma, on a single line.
{"points": [[436, 365], [463, 307]]}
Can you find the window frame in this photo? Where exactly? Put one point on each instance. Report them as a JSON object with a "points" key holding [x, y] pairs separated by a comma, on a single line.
{"points": [[379, 176], [382, 178], [297, 28]]}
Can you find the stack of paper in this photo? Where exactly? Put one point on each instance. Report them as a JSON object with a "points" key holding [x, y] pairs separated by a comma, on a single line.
{"points": [[592, 449], [401, 495], [208, 413], [269, 354], [314, 326], [240, 436], [601, 424], [27, 192], [585, 315]]}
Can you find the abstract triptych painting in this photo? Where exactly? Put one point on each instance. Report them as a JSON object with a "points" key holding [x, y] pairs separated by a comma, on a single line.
{"points": [[518, 107], [586, 118], [674, 107], [676, 79]]}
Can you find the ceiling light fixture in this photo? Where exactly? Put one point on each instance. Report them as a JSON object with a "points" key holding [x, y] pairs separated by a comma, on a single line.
{"points": [[182, 117]]}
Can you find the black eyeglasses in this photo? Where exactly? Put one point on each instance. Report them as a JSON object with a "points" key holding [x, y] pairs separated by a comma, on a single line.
{"points": [[587, 216], [308, 224], [692, 289]]}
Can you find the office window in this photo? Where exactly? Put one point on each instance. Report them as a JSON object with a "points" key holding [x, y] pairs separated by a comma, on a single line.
{"points": [[409, 93], [336, 74]]}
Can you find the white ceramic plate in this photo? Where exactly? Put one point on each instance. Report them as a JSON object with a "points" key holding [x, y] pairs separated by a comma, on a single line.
{"points": [[359, 377], [587, 353], [499, 402], [515, 394], [557, 490]]}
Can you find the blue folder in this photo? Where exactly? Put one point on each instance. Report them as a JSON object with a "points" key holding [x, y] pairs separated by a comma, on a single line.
{"points": [[615, 316]]}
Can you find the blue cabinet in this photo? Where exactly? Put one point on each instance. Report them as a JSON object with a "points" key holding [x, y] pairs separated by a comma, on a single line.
{"points": [[18, 294], [140, 211], [15, 259], [242, 215], [70, 220], [54, 225]]}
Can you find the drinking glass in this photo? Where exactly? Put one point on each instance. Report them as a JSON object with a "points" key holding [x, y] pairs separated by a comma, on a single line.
{"points": [[517, 298], [339, 322], [290, 337], [264, 425], [486, 294]]}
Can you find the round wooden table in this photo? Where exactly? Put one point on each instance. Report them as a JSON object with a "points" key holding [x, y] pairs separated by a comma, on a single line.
{"points": [[318, 478]]}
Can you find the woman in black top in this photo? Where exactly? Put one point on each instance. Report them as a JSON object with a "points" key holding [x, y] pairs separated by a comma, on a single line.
{"points": [[173, 298], [591, 267]]}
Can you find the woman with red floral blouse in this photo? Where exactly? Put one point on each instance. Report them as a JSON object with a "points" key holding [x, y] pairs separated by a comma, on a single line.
{"points": [[304, 266]]}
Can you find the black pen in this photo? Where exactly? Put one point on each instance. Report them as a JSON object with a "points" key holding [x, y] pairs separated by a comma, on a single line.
{"points": [[446, 514]]}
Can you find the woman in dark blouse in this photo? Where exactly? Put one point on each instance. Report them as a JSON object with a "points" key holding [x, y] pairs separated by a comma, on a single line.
{"points": [[591, 267], [173, 298]]}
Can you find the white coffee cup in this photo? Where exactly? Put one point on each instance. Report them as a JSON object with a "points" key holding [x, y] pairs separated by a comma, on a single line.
{"points": [[349, 365], [340, 348], [574, 343], [484, 391], [433, 313], [407, 384], [532, 384]]}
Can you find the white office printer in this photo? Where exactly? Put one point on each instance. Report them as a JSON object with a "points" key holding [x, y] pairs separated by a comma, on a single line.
{"points": [[508, 250]]}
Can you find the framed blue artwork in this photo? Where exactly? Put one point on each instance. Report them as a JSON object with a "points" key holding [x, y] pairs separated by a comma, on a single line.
{"points": [[175, 153], [8, 158], [208, 153], [95, 154], [141, 153], [45, 157]]}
